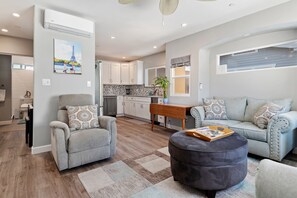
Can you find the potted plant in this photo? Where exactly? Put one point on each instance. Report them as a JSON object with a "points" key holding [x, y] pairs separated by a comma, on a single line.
{"points": [[163, 82]]}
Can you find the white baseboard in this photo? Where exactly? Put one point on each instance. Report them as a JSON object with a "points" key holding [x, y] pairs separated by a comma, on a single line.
{"points": [[6, 122], [41, 149]]}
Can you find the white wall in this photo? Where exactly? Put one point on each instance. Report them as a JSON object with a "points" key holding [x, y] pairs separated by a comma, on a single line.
{"points": [[22, 81], [270, 83], [46, 97], [16, 46], [281, 16]]}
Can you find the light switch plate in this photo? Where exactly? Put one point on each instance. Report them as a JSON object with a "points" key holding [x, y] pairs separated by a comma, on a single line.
{"points": [[89, 83], [46, 82]]}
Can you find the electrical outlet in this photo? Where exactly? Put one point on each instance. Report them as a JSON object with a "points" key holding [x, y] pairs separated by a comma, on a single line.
{"points": [[46, 82]]}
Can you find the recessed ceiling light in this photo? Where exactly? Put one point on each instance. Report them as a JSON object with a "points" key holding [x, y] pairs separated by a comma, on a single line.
{"points": [[124, 57], [184, 24], [4, 30], [155, 47], [15, 14], [112, 37]]}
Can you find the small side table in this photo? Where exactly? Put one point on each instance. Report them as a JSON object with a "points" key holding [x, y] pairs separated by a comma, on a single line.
{"points": [[169, 110]]}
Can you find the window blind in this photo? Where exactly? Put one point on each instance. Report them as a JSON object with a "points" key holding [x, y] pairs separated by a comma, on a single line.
{"points": [[181, 61]]}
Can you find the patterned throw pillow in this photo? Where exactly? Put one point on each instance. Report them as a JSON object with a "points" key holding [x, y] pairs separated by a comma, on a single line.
{"points": [[82, 117], [215, 109], [265, 113]]}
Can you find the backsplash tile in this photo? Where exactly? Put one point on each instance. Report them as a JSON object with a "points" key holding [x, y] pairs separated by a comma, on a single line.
{"points": [[135, 90], [117, 90]]}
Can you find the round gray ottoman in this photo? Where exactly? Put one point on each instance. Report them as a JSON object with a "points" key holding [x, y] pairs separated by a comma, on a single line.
{"points": [[208, 166]]}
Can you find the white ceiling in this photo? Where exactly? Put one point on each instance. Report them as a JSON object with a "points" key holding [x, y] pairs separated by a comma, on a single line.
{"points": [[137, 27]]}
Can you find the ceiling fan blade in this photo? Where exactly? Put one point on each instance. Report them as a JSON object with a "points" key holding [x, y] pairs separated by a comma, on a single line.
{"points": [[126, 1], [168, 7]]}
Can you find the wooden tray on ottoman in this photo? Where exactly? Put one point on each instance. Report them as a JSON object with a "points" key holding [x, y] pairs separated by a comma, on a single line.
{"points": [[210, 133]]}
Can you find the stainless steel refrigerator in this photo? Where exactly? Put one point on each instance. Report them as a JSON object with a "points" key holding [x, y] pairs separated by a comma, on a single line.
{"points": [[99, 87]]}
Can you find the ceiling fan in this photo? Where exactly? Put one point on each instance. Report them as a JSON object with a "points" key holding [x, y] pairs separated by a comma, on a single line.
{"points": [[166, 7]]}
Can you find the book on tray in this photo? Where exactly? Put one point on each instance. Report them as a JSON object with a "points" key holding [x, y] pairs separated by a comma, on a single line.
{"points": [[210, 133]]}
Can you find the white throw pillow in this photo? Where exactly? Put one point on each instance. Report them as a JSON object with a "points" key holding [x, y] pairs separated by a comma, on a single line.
{"points": [[215, 109], [265, 113], [82, 117]]}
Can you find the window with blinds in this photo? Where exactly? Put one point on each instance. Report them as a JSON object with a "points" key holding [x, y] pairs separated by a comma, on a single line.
{"points": [[180, 76], [277, 56]]}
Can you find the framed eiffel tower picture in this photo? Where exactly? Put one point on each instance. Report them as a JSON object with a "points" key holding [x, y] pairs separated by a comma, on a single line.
{"points": [[67, 57]]}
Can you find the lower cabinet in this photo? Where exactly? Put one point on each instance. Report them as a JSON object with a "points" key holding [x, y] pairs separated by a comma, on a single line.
{"points": [[120, 106], [137, 107]]}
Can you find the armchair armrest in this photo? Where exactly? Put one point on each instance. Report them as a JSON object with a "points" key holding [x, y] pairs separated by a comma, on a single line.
{"points": [[60, 134], [109, 123], [61, 125], [276, 180], [199, 115]]}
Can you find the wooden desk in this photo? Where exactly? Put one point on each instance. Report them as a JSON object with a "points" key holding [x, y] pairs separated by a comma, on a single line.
{"points": [[169, 110]]}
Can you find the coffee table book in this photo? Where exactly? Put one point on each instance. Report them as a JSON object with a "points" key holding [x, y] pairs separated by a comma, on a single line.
{"points": [[210, 133]]}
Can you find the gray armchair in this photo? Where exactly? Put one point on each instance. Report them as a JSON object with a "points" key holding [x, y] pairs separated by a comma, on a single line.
{"points": [[75, 148]]}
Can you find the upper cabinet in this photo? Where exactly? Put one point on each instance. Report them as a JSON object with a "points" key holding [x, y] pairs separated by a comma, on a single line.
{"points": [[115, 73], [125, 73], [122, 73], [152, 73], [111, 73], [106, 66], [136, 73]]}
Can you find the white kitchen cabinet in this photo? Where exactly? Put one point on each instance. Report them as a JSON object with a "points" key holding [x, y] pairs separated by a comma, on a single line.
{"points": [[125, 73], [137, 107], [136, 73], [111, 73], [106, 72], [120, 106], [115, 73]]}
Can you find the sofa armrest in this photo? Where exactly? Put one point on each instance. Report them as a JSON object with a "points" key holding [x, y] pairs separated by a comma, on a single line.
{"points": [[281, 137], [276, 180], [61, 125], [283, 122], [109, 123], [199, 114]]}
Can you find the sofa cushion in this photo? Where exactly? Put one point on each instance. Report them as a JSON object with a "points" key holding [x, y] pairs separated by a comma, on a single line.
{"points": [[225, 123], [250, 131], [252, 107], [82, 117], [235, 107], [87, 139], [265, 113], [215, 109]]}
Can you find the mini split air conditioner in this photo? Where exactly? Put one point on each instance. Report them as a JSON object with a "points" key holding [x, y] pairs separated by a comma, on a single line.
{"points": [[68, 23]]}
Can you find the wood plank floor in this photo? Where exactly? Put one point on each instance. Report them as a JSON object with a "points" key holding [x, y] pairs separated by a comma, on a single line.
{"points": [[25, 175]]}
